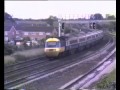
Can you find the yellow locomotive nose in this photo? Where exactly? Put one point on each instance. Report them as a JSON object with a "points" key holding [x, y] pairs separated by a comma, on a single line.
{"points": [[52, 52]]}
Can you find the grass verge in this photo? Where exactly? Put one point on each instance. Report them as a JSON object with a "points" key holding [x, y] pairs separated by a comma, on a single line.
{"points": [[8, 60], [23, 55], [106, 82], [113, 34]]}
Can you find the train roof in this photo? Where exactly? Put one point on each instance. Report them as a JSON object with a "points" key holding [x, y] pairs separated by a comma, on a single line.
{"points": [[84, 34], [73, 35], [52, 39]]}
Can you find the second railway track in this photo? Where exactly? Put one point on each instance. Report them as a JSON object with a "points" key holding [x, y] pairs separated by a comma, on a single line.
{"points": [[81, 81]]}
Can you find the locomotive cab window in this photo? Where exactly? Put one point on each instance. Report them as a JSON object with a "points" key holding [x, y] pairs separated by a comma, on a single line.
{"points": [[52, 44], [62, 43]]}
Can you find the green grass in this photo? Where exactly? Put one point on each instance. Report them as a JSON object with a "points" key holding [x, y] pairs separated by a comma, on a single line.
{"points": [[23, 55], [113, 33], [104, 83], [9, 59]]}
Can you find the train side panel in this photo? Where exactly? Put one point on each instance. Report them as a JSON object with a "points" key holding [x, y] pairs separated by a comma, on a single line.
{"points": [[76, 43]]}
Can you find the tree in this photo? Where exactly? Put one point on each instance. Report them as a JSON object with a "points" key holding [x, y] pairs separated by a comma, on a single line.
{"points": [[51, 20], [42, 41], [67, 30], [8, 17], [91, 17], [99, 26], [110, 17], [96, 16], [26, 39], [9, 49], [112, 26]]}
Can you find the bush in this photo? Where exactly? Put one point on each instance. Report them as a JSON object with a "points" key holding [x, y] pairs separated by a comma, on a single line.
{"points": [[20, 57], [110, 26], [9, 49], [67, 30], [107, 82], [9, 60]]}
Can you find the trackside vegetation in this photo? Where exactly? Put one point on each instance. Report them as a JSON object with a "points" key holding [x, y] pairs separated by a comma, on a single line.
{"points": [[23, 55], [108, 83], [113, 33]]}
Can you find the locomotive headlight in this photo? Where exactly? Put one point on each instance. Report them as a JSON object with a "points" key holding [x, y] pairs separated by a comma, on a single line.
{"points": [[57, 49], [45, 50]]}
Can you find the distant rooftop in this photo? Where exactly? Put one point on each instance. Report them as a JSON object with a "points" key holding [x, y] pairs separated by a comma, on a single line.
{"points": [[34, 28]]}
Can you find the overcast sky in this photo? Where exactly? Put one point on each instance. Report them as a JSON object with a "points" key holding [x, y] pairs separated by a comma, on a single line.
{"points": [[61, 9]]}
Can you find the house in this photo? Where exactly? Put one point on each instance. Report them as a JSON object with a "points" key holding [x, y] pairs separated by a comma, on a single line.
{"points": [[35, 32], [10, 33], [6, 32]]}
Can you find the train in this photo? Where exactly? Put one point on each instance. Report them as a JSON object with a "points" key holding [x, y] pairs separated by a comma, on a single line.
{"points": [[60, 46]]}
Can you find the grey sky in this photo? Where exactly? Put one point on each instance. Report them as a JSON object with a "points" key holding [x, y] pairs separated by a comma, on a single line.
{"points": [[62, 9]]}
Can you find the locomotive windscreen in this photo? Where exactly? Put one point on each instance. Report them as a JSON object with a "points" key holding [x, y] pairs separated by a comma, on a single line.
{"points": [[52, 44]]}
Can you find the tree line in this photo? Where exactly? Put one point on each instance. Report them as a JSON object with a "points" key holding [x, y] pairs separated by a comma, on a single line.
{"points": [[50, 19]]}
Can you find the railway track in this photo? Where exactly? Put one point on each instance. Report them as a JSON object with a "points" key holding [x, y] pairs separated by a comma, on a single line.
{"points": [[81, 81], [58, 77], [9, 68], [25, 73]]}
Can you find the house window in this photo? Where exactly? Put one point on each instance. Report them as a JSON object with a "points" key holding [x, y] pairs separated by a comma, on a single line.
{"points": [[33, 33], [32, 38], [25, 33], [17, 32], [47, 33], [6, 33], [6, 38], [17, 36], [13, 33], [40, 33]]}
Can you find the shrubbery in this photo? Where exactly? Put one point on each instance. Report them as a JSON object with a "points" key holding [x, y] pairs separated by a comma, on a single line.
{"points": [[109, 82], [20, 56], [9, 49]]}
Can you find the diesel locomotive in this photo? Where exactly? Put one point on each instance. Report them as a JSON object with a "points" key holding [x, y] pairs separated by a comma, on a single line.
{"points": [[56, 47]]}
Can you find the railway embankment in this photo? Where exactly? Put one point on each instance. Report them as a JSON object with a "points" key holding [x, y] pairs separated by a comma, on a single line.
{"points": [[108, 82]]}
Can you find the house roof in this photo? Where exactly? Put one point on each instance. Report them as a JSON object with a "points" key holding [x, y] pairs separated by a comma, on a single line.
{"points": [[7, 28], [31, 22], [8, 25], [34, 28]]}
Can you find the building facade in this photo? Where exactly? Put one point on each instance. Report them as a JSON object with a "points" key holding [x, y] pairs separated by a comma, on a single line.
{"points": [[12, 32]]}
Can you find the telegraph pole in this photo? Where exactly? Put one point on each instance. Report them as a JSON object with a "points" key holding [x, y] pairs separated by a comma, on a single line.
{"points": [[59, 25]]}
